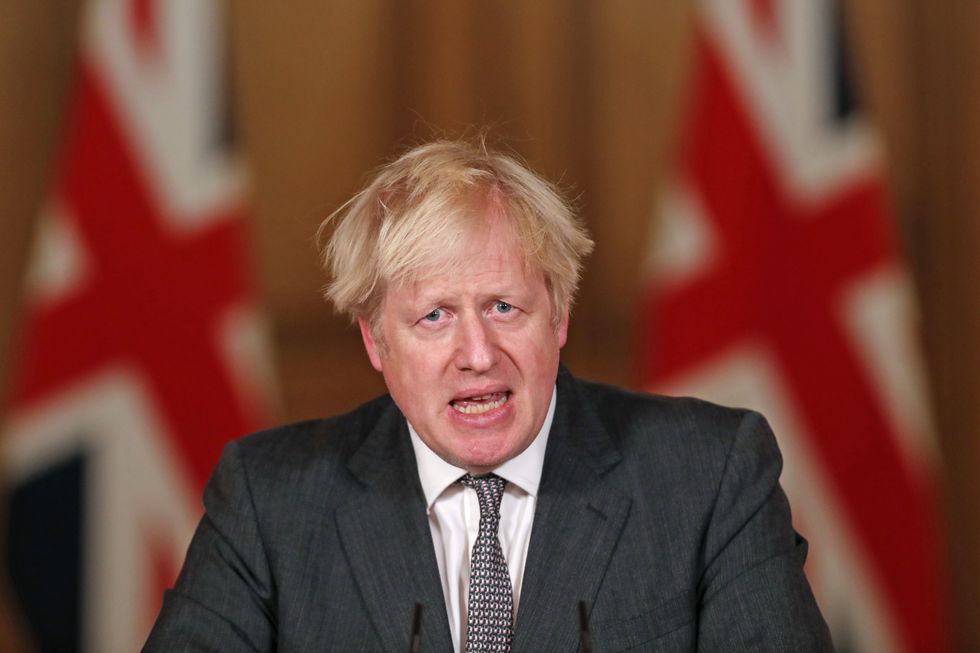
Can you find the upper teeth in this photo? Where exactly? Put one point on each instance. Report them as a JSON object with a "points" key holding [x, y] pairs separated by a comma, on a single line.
{"points": [[483, 403]]}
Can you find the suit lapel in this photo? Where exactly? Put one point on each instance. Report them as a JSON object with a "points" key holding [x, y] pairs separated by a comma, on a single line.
{"points": [[579, 517], [387, 541]]}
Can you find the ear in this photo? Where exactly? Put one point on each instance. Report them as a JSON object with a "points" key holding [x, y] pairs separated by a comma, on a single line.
{"points": [[370, 346], [562, 331]]}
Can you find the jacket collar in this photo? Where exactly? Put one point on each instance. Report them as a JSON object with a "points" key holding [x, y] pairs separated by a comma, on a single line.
{"points": [[579, 517], [385, 535]]}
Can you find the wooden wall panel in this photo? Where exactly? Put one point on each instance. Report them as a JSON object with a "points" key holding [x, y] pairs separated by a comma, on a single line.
{"points": [[315, 89], [435, 67], [945, 201], [542, 82], [638, 60]]}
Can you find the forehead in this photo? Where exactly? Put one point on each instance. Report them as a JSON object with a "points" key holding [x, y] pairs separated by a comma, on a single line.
{"points": [[488, 258]]}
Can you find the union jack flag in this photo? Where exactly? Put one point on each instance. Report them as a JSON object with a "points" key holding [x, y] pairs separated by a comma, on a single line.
{"points": [[777, 283], [143, 349]]}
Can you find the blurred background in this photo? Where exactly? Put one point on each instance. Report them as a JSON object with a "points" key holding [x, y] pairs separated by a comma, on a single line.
{"points": [[687, 132]]}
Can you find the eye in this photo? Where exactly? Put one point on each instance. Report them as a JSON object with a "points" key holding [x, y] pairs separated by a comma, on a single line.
{"points": [[434, 315], [503, 307]]}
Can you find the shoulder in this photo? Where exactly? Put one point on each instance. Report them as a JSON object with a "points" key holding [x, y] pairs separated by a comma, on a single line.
{"points": [[677, 433], [626, 414], [290, 457], [639, 408], [338, 433]]}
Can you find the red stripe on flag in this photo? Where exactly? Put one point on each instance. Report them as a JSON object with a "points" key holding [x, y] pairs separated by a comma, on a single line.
{"points": [[765, 14], [143, 25]]}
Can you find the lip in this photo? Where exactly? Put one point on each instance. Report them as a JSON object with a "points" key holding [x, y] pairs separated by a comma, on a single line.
{"points": [[491, 419], [479, 392]]}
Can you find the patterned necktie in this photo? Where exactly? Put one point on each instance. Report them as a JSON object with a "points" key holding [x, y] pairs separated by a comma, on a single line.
{"points": [[489, 621]]}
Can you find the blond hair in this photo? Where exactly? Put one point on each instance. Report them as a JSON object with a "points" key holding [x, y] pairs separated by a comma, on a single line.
{"points": [[416, 211]]}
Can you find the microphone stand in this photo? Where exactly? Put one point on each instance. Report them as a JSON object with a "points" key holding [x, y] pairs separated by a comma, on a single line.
{"points": [[585, 636], [415, 641]]}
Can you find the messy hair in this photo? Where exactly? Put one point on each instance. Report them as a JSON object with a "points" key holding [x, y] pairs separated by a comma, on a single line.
{"points": [[417, 210]]}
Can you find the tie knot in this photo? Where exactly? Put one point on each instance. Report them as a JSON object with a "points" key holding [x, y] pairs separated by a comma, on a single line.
{"points": [[489, 489]]}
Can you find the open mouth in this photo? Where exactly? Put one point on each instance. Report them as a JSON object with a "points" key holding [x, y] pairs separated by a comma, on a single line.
{"points": [[480, 404]]}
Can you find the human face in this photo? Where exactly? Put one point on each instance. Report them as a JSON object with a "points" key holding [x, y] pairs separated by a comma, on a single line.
{"points": [[470, 354]]}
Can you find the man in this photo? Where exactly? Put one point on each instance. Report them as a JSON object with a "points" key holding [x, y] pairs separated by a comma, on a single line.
{"points": [[491, 488]]}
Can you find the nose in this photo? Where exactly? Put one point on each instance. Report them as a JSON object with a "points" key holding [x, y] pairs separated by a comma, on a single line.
{"points": [[476, 346]]}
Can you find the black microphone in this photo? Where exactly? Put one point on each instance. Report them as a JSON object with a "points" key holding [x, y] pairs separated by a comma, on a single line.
{"points": [[585, 637], [415, 641]]}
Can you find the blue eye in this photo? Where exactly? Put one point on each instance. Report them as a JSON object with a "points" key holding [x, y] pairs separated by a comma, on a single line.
{"points": [[434, 315], [504, 307]]}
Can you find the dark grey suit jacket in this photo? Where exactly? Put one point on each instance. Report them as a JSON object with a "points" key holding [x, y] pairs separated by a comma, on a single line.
{"points": [[664, 515]]}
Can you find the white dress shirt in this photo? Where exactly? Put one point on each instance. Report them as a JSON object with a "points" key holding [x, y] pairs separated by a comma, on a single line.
{"points": [[454, 518]]}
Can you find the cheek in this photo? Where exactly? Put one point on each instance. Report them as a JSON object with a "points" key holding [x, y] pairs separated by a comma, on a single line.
{"points": [[549, 346], [415, 372]]}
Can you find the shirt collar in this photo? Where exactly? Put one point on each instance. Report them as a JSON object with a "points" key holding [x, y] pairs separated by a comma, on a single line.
{"points": [[523, 470]]}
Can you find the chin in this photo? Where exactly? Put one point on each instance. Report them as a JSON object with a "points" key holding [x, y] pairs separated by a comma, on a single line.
{"points": [[488, 460]]}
